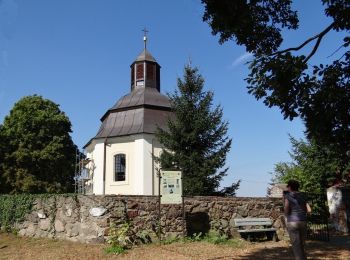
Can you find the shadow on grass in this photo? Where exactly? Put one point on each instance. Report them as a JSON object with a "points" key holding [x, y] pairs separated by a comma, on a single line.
{"points": [[276, 253], [342, 241], [336, 248]]}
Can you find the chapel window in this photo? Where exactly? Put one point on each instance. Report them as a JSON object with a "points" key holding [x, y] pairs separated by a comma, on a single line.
{"points": [[119, 167]]}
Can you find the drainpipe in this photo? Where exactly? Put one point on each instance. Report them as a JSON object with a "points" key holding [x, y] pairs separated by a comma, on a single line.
{"points": [[104, 166]]}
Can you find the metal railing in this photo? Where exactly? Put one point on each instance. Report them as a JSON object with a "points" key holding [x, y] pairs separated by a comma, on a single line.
{"points": [[317, 222]]}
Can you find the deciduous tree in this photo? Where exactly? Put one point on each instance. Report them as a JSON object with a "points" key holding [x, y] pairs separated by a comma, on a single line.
{"points": [[288, 78], [315, 167], [38, 154]]}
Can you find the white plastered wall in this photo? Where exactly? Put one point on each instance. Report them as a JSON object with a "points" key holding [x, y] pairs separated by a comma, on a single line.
{"points": [[148, 146], [94, 151], [151, 175], [141, 174], [124, 145]]}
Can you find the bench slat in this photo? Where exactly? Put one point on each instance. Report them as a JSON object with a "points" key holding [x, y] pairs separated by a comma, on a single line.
{"points": [[249, 219], [258, 225], [256, 230], [252, 222]]}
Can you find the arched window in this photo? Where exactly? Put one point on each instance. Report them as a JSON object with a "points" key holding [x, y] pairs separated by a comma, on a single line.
{"points": [[119, 167]]}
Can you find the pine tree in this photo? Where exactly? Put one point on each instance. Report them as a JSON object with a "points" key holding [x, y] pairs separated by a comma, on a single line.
{"points": [[196, 140]]}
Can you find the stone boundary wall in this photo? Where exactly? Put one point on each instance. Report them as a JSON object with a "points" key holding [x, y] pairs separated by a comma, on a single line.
{"points": [[88, 218]]}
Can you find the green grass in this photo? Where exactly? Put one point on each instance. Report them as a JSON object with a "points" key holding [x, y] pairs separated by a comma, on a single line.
{"points": [[212, 237], [115, 250]]}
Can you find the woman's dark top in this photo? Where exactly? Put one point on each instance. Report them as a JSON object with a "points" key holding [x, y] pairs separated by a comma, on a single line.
{"points": [[297, 205]]}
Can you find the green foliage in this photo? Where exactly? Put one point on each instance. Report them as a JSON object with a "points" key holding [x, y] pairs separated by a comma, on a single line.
{"points": [[38, 154], [115, 250], [214, 237], [122, 236], [255, 24], [229, 191], [13, 209], [196, 139], [171, 240], [315, 167], [218, 240], [144, 236], [118, 236], [286, 78], [197, 237], [3, 186]]}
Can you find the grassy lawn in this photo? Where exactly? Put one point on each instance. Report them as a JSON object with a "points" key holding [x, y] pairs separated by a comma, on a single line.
{"points": [[14, 247]]}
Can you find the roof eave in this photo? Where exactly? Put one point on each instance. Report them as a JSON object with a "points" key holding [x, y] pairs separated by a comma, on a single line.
{"points": [[163, 108]]}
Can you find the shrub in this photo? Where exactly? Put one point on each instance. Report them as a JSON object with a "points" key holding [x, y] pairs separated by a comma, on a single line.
{"points": [[13, 209]]}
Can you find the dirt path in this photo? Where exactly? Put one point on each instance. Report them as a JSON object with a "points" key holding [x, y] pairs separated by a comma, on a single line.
{"points": [[13, 247]]}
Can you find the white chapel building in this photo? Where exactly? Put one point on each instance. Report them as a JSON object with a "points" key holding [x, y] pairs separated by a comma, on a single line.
{"points": [[122, 152]]}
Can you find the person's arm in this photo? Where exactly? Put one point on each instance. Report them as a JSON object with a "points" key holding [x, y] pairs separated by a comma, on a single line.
{"points": [[308, 208], [286, 207]]}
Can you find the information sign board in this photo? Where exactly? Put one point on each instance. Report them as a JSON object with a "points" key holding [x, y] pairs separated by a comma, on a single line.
{"points": [[171, 187]]}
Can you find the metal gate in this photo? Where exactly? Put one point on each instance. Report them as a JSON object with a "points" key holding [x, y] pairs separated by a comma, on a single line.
{"points": [[317, 222]]}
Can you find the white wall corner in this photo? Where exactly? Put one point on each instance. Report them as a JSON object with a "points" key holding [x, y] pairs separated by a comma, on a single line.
{"points": [[98, 154], [139, 167]]}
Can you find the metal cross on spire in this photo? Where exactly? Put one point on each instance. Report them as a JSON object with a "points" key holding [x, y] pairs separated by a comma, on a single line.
{"points": [[145, 31]]}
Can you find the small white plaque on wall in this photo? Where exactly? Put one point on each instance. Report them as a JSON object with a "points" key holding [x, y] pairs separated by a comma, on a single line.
{"points": [[97, 212], [171, 187]]}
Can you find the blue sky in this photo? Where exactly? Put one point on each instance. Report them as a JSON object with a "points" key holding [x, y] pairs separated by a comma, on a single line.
{"points": [[77, 53]]}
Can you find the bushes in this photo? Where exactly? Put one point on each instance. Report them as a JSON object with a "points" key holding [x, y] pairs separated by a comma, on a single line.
{"points": [[122, 236], [13, 208]]}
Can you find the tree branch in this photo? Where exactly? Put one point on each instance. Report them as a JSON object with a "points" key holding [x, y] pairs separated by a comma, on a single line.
{"points": [[341, 46], [318, 42], [318, 37], [342, 56]]}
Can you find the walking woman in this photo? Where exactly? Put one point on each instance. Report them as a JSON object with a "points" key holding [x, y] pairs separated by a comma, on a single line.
{"points": [[296, 209]]}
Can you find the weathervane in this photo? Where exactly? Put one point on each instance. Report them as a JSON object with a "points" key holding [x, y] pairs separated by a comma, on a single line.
{"points": [[145, 31]]}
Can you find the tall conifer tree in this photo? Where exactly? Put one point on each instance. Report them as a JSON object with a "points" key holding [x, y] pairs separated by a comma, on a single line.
{"points": [[196, 140]]}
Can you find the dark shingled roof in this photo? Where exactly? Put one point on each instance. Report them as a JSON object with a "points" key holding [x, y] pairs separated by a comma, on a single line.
{"points": [[145, 55], [138, 112], [134, 121], [143, 110], [142, 96]]}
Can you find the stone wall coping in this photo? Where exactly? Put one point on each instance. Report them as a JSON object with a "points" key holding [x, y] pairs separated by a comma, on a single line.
{"points": [[212, 198]]}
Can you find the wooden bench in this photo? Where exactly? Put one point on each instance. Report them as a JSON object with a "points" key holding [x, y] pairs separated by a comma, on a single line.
{"points": [[251, 227]]}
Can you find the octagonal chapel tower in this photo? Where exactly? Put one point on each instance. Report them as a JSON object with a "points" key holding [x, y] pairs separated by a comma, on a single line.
{"points": [[122, 151]]}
